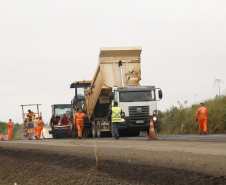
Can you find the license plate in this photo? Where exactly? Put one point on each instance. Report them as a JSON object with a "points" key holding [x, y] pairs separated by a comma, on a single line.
{"points": [[140, 121]]}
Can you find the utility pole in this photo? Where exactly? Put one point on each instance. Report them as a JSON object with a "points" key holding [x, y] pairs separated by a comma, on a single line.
{"points": [[218, 82]]}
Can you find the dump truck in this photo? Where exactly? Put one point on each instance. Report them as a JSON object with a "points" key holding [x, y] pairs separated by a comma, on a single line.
{"points": [[117, 78]]}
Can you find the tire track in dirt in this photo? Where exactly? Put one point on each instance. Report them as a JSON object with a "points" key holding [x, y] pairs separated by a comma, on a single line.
{"points": [[32, 166]]}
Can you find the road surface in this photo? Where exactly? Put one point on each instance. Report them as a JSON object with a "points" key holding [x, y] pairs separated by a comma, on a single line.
{"points": [[173, 159]]}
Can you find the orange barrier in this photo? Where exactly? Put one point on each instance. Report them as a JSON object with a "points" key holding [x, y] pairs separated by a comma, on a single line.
{"points": [[152, 135]]}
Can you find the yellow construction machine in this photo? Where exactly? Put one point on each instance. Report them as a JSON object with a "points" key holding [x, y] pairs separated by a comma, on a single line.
{"points": [[28, 122]]}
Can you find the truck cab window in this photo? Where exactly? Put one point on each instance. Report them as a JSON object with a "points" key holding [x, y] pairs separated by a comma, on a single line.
{"points": [[137, 96]]}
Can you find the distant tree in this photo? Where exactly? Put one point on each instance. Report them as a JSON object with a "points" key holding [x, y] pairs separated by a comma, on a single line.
{"points": [[218, 83]]}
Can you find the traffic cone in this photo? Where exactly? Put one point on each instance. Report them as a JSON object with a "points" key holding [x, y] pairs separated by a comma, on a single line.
{"points": [[152, 135], [29, 136]]}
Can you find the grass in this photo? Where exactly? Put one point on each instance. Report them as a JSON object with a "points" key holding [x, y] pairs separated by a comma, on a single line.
{"points": [[16, 130], [171, 120]]}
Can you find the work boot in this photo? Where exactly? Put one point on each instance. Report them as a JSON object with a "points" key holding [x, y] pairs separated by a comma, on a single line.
{"points": [[200, 133], [205, 133], [79, 137], [117, 137]]}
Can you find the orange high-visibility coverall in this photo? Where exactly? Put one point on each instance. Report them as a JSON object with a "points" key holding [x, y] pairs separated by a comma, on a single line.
{"points": [[79, 122], [202, 114], [10, 126], [30, 114], [39, 128]]}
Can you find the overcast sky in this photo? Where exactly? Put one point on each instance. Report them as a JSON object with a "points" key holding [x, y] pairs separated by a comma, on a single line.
{"points": [[45, 45]]}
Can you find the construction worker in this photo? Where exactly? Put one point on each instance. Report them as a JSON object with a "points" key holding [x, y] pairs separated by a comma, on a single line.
{"points": [[10, 126], [115, 116], [35, 127], [79, 122], [64, 120], [201, 115], [54, 120], [30, 115], [39, 127]]}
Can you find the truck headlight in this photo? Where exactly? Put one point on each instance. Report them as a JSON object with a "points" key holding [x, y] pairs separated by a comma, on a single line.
{"points": [[154, 118], [123, 120]]}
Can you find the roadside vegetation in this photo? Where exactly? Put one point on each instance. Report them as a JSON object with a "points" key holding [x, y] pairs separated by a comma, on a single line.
{"points": [[175, 120], [181, 119], [16, 130]]}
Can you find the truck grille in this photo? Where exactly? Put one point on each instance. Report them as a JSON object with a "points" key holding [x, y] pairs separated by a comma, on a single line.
{"points": [[139, 113]]}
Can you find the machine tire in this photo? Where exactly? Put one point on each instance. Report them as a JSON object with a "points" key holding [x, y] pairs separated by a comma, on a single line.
{"points": [[98, 129], [94, 131], [54, 135]]}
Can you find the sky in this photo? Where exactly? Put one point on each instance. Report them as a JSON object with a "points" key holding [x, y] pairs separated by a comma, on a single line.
{"points": [[45, 45]]}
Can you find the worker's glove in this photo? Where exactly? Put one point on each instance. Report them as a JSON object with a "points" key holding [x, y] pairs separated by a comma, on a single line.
{"points": [[196, 119]]}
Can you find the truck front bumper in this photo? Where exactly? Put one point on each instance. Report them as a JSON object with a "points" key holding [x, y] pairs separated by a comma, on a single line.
{"points": [[139, 124]]}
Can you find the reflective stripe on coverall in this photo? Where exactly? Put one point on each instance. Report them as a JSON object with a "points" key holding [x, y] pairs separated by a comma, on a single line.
{"points": [[202, 114], [116, 114], [10, 126], [79, 123]]}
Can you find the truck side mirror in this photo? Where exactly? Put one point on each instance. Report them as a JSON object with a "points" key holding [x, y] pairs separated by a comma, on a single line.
{"points": [[111, 96], [160, 94]]}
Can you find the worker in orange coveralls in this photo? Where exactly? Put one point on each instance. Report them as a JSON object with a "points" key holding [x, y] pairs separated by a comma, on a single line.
{"points": [[35, 127], [10, 126], [30, 115], [201, 115], [79, 122], [39, 127]]}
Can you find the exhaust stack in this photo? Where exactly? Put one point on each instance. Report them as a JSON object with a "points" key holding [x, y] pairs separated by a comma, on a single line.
{"points": [[120, 65]]}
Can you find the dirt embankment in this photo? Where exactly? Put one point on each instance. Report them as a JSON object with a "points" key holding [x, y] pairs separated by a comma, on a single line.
{"points": [[33, 166]]}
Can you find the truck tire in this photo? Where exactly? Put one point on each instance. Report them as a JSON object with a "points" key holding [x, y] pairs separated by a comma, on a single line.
{"points": [[99, 133], [94, 131]]}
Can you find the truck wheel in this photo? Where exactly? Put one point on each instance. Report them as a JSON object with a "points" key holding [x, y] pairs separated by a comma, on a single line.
{"points": [[94, 132], [99, 133]]}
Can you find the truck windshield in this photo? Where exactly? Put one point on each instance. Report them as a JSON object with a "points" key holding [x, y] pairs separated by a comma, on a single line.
{"points": [[59, 110], [137, 96]]}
